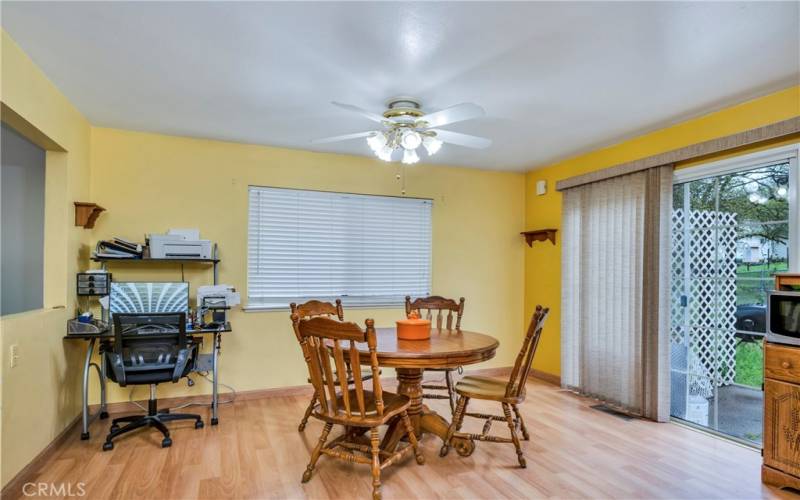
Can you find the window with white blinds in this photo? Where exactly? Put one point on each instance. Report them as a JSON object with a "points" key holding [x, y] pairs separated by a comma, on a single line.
{"points": [[366, 250]]}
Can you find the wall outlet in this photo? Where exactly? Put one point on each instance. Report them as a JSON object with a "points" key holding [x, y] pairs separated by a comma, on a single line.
{"points": [[14, 353]]}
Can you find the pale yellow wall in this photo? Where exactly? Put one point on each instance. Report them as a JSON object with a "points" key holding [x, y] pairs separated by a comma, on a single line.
{"points": [[41, 395], [150, 183], [543, 261]]}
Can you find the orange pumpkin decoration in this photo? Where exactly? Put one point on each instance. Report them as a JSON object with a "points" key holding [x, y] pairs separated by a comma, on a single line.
{"points": [[413, 328]]}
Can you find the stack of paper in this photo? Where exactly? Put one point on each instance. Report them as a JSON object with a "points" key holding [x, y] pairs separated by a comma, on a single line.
{"points": [[117, 248]]}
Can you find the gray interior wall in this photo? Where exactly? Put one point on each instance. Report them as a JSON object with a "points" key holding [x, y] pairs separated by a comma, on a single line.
{"points": [[21, 223]]}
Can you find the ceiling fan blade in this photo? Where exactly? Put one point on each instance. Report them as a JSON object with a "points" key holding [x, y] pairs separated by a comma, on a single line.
{"points": [[363, 112], [470, 141], [453, 114], [345, 137]]}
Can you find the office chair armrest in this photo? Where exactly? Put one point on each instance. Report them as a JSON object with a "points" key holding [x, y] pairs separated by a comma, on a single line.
{"points": [[180, 364], [114, 360]]}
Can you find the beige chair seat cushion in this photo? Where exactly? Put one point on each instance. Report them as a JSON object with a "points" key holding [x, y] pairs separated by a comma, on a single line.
{"points": [[477, 387]]}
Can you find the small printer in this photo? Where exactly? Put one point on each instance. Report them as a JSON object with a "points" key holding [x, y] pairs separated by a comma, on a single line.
{"points": [[177, 246]]}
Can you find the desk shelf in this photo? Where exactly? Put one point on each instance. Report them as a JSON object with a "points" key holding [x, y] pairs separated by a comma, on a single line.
{"points": [[149, 260], [105, 261]]}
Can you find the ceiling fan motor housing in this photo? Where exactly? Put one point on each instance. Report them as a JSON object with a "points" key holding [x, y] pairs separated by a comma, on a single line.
{"points": [[403, 107]]}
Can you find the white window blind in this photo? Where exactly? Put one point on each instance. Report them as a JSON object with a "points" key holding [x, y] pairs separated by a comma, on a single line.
{"points": [[366, 250]]}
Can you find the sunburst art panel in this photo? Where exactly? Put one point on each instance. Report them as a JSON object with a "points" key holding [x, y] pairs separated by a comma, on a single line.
{"points": [[149, 297]]}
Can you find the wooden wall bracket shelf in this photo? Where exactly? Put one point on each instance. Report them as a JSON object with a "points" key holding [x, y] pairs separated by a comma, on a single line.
{"points": [[539, 235], [86, 214]]}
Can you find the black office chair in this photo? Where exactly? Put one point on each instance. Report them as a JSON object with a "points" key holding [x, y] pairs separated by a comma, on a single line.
{"points": [[149, 349]]}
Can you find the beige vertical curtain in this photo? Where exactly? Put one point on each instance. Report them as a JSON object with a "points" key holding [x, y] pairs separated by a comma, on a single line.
{"points": [[615, 291]]}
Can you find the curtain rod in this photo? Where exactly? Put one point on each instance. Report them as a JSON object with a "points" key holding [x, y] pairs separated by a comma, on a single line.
{"points": [[768, 132]]}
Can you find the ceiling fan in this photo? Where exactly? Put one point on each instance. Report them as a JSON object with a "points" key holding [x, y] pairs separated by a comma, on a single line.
{"points": [[405, 127]]}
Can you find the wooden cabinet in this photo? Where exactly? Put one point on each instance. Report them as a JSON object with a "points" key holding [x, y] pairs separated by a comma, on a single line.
{"points": [[781, 362], [781, 416], [782, 406]]}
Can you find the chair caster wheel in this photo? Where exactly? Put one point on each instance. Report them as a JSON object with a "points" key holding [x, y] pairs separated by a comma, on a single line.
{"points": [[108, 445], [214, 421], [103, 415], [84, 436], [306, 476], [420, 460], [114, 428], [166, 443], [199, 424], [443, 452]]}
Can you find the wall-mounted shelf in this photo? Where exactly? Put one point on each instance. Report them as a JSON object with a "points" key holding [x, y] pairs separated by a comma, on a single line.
{"points": [[539, 235], [86, 214], [148, 260], [214, 261]]}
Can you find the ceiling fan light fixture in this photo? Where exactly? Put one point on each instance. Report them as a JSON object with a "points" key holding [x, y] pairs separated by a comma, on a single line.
{"points": [[410, 140], [410, 157], [432, 145], [377, 141], [404, 127], [385, 153]]}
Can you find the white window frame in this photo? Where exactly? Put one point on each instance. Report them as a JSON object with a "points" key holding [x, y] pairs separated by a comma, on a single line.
{"points": [[256, 307], [755, 160]]}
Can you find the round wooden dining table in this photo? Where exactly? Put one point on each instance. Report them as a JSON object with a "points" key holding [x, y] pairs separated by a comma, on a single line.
{"points": [[445, 349]]}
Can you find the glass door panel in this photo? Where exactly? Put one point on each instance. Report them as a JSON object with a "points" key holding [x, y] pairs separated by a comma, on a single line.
{"points": [[730, 236]]}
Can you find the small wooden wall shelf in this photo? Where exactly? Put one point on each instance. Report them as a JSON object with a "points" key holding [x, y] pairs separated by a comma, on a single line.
{"points": [[86, 214], [539, 235]]}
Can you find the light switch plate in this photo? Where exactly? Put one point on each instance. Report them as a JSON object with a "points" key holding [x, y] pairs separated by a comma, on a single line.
{"points": [[541, 187]]}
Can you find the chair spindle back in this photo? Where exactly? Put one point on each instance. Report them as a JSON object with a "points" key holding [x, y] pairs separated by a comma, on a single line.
{"points": [[323, 338], [314, 308], [522, 365], [437, 304]]}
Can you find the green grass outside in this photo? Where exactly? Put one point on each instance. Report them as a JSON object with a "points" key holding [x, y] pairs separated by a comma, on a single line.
{"points": [[755, 292], [761, 270], [749, 364]]}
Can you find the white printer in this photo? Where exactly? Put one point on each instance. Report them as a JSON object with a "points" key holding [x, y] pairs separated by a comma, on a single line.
{"points": [[180, 244]]}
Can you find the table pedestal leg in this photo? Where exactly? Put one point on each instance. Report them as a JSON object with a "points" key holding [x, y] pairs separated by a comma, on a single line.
{"points": [[411, 386], [423, 419]]}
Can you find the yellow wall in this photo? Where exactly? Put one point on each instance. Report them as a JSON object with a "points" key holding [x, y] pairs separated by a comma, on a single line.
{"points": [[150, 183], [41, 395], [543, 261]]}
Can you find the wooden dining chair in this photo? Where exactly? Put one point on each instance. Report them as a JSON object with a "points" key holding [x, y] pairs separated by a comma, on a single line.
{"points": [[324, 338], [509, 394], [435, 307], [310, 309]]}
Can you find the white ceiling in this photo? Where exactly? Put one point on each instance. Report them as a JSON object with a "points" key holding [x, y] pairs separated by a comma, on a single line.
{"points": [[556, 79]]}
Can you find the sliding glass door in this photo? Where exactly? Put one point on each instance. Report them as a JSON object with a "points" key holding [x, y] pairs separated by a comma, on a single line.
{"points": [[731, 233]]}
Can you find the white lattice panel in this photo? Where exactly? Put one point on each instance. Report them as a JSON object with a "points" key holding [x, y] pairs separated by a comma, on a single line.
{"points": [[704, 296]]}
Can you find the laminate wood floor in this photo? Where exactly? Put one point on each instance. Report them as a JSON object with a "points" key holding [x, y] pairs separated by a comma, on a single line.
{"points": [[257, 452]]}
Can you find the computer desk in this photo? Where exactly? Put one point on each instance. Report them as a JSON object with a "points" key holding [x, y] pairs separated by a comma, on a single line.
{"points": [[107, 335]]}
